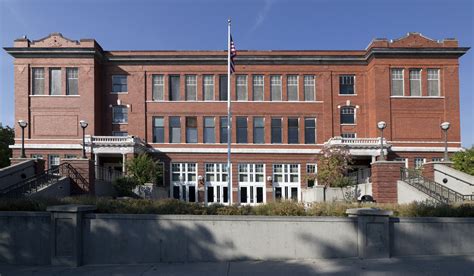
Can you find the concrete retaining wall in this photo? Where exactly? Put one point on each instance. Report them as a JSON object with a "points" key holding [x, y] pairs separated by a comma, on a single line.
{"points": [[16, 173], [455, 180], [408, 194], [316, 193], [29, 237], [60, 189]]}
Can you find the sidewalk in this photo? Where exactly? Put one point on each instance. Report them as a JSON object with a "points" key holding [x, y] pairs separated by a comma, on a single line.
{"points": [[440, 265]]}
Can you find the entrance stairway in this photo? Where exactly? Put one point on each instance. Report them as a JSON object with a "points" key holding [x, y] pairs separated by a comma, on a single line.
{"points": [[433, 189], [45, 179]]}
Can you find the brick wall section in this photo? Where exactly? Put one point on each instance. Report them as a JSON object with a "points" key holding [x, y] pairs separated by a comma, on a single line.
{"points": [[428, 169], [39, 163], [384, 180], [86, 168]]}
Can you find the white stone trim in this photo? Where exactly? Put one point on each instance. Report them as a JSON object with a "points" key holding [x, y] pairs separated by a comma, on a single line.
{"points": [[426, 149], [234, 150], [47, 146], [424, 142]]}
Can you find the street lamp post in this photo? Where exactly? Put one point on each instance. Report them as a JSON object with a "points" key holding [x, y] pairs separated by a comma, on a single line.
{"points": [[23, 124], [83, 124], [381, 125], [444, 127]]}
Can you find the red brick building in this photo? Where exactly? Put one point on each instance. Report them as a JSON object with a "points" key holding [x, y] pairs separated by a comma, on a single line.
{"points": [[286, 106]]}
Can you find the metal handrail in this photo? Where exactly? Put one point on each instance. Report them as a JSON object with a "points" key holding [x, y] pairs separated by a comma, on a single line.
{"points": [[432, 188], [107, 174]]}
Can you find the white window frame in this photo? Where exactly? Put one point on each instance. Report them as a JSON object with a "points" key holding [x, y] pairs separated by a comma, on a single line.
{"points": [[258, 80], [51, 162], [392, 79], [119, 92], [35, 77], [218, 171], [438, 81], [309, 81], [114, 121], [402, 159], [355, 135], [156, 81], [423, 160], [315, 173], [209, 80], [184, 183], [242, 83], [275, 80], [286, 184], [419, 80], [251, 184], [355, 114], [292, 83], [354, 84]]}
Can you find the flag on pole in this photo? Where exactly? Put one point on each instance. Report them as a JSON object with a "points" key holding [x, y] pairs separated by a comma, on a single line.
{"points": [[233, 53]]}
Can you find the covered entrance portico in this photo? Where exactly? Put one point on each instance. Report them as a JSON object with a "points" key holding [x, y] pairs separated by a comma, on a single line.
{"points": [[111, 152]]}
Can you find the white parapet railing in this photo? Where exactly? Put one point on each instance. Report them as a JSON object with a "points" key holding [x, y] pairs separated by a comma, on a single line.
{"points": [[113, 140], [357, 142]]}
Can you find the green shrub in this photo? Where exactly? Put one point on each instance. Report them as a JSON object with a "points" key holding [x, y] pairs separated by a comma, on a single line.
{"points": [[464, 161], [125, 185], [144, 169]]}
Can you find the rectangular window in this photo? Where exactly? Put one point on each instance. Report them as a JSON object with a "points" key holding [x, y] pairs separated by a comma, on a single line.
{"points": [[415, 82], [223, 88], [258, 130], [72, 81], [293, 133], [38, 81], [119, 114], [419, 162], [209, 130], [191, 88], [258, 87], [70, 156], [437, 159], [242, 130], [311, 171], [191, 130], [292, 87], [37, 156], [347, 115], [346, 85], [119, 133], [174, 88], [241, 87], [309, 88], [175, 130], [183, 177], [310, 130], [286, 173], [223, 127], [53, 161], [158, 130], [276, 131], [158, 89], [275, 88], [55, 81], [119, 84], [397, 82], [433, 82], [208, 87], [348, 135]]}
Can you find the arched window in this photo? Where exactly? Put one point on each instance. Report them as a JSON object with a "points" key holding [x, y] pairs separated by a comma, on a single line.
{"points": [[348, 115]]}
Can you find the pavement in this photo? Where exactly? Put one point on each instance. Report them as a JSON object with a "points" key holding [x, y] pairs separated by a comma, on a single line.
{"points": [[432, 265]]}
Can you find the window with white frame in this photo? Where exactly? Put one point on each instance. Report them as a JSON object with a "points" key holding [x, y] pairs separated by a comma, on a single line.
{"points": [[55, 81], [241, 130], [158, 129], [209, 130], [310, 130], [241, 87], [119, 84], [309, 88], [158, 89], [37, 156], [347, 115], [419, 162], [275, 87], [184, 181], [415, 82], [397, 82], [120, 114], [191, 88], [433, 82], [174, 88], [401, 159], [208, 87], [258, 87], [191, 130], [72, 81], [217, 190], [348, 135], [175, 129], [346, 85], [311, 171], [437, 159], [53, 161], [276, 131], [258, 130], [292, 87], [70, 156], [251, 183], [119, 133], [38, 81], [293, 131], [286, 181]]}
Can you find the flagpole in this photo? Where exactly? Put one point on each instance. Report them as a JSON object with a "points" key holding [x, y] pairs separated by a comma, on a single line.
{"points": [[229, 118]]}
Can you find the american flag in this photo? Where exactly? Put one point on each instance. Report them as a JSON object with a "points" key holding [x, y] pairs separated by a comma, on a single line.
{"points": [[233, 53]]}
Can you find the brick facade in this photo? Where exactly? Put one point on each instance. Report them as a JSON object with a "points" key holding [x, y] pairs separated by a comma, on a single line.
{"points": [[412, 122]]}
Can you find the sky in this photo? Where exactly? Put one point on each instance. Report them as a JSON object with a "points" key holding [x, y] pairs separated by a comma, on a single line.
{"points": [[257, 25]]}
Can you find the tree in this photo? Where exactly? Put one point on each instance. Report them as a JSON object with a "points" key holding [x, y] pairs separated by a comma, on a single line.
{"points": [[333, 166], [7, 135], [464, 161], [144, 169]]}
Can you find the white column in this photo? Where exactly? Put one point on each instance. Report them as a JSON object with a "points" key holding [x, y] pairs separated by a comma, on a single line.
{"points": [[373, 158], [124, 162], [96, 163]]}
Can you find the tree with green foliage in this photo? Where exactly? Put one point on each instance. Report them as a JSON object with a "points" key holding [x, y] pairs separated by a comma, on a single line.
{"points": [[7, 135], [144, 169], [464, 161], [333, 166]]}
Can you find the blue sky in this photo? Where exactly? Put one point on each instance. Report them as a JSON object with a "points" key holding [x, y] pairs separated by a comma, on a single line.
{"points": [[284, 24]]}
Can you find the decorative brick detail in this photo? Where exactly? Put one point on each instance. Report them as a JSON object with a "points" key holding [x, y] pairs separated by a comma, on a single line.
{"points": [[385, 175]]}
